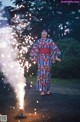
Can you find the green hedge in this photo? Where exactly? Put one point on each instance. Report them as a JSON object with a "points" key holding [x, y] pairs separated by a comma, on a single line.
{"points": [[68, 68]]}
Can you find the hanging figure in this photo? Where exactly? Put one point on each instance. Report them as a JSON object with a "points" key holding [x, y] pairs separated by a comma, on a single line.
{"points": [[45, 53]]}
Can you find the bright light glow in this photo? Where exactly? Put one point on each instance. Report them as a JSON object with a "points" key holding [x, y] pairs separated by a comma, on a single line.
{"points": [[12, 60], [20, 94]]}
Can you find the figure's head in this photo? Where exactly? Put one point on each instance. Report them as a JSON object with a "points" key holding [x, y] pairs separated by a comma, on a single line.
{"points": [[44, 34]]}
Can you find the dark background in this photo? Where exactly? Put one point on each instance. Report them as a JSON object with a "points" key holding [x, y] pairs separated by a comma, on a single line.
{"points": [[62, 21]]}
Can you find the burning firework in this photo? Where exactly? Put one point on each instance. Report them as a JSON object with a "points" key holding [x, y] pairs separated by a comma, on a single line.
{"points": [[12, 68], [12, 60], [20, 115]]}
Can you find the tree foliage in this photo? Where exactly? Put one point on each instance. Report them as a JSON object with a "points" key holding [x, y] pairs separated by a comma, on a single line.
{"points": [[62, 22]]}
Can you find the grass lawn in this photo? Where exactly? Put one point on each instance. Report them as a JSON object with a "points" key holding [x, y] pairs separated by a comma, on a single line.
{"points": [[55, 81]]}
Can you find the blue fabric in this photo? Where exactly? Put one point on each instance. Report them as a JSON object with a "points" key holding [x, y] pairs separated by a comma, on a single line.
{"points": [[44, 62]]}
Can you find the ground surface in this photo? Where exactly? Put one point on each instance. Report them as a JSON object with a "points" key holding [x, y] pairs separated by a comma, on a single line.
{"points": [[62, 106]]}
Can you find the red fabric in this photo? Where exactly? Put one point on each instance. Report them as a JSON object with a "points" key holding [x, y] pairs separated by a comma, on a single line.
{"points": [[44, 51]]}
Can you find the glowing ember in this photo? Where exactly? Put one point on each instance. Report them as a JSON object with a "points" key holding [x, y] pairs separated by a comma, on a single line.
{"points": [[37, 101], [35, 109], [35, 112], [31, 85], [34, 62]]}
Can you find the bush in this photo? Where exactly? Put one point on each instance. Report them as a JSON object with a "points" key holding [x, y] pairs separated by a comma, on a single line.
{"points": [[68, 68], [70, 65]]}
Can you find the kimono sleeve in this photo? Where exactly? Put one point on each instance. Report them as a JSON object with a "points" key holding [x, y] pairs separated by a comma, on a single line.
{"points": [[34, 52], [55, 52]]}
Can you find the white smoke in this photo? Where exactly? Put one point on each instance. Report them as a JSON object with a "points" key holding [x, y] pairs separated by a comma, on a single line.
{"points": [[9, 64]]}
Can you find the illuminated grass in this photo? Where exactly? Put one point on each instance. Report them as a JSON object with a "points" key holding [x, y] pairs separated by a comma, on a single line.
{"points": [[55, 80]]}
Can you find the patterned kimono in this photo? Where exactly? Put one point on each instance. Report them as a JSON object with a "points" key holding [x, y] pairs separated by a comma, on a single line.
{"points": [[44, 52]]}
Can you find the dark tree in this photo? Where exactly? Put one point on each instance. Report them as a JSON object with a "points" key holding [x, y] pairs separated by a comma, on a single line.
{"points": [[62, 21]]}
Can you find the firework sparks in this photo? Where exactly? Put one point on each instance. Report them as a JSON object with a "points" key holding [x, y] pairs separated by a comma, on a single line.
{"points": [[8, 63], [12, 55], [12, 60]]}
